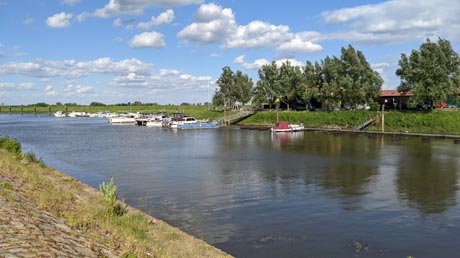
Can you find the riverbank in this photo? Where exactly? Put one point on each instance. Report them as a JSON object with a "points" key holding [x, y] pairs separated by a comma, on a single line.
{"points": [[45, 213], [443, 122]]}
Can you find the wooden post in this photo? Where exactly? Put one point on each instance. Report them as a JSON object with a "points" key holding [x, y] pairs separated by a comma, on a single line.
{"points": [[22, 110], [49, 110], [10, 110], [35, 110], [383, 117], [66, 111]]}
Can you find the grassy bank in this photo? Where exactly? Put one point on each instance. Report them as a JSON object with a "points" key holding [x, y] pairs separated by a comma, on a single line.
{"points": [[126, 230], [200, 112], [436, 122]]}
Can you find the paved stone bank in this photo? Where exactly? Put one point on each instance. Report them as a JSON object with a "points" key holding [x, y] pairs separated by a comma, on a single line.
{"points": [[28, 231]]}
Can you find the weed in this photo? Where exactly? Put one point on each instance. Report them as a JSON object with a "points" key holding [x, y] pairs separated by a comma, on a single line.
{"points": [[32, 157], [109, 197]]}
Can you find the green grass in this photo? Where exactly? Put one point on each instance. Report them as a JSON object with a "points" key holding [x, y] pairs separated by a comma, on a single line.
{"points": [[435, 122], [200, 112], [131, 233]]}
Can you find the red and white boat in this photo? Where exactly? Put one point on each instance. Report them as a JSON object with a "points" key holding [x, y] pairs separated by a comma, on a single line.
{"points": [[287, 127]]}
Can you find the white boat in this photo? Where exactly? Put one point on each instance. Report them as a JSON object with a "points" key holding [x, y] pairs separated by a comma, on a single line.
{"points": [[59, 114], [123, 119], [287, 127], [158, 120], [184, 120]]}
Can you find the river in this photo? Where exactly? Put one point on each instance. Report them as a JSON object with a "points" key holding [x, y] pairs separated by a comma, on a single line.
{"points": [[257, 194]]}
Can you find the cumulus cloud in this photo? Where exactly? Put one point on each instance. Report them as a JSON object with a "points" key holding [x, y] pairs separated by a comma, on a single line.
{"points": [[123, 7], [126, 23], [73, 69], [147, 39], [396, 21], [72, 89], [165, 17], [213, 24], [50, 91], [258, 63], [59, 20], [15, 86]]}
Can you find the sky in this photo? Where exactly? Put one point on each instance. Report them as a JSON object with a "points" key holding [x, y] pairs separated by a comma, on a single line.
{"points": [[173, 51]]}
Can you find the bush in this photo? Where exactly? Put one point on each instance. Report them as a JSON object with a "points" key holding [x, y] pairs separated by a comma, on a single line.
{"points": [[109, 197], [11, 145]]}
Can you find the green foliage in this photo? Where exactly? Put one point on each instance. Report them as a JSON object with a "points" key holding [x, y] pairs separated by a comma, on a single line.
{"points": [[336, 82], [432, 73], [128, 255], [374, 106], [97, 104], [233, 87], [32, 157], [11, 145], [436, 122], [109, 197]]}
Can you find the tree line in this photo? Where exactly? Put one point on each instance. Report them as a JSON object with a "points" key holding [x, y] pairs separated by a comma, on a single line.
{"points": [[432, 73]]}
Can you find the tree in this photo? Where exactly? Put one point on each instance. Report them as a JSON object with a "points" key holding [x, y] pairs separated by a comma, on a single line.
{"points": [[432, 73], [290, 83], [97, 104], [243, 87], [233, 87], [267, 88], [359, 84], [311, 82]]}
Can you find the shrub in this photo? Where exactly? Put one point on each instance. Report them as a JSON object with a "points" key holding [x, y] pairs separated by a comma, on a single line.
{"points": [[11, 145], [109, 197]]}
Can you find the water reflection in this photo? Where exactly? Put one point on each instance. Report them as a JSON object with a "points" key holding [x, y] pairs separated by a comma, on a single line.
{"points": [[427, 177]]}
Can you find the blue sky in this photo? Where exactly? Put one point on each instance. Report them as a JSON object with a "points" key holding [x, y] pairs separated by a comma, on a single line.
{"points": [[172, 51]]}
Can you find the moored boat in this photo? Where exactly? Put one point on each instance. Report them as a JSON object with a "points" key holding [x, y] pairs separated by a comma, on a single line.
{"points": [[287, 127]]}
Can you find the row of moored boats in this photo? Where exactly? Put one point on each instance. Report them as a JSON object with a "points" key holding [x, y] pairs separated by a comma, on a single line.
{"points": [[159, 119]]}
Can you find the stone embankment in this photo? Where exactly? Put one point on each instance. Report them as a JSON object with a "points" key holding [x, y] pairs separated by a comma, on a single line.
{"points": [[28, 231], [45, 213]]}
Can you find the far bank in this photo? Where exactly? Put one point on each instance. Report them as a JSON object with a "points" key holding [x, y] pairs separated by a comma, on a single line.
{"points": [[434, 122]]}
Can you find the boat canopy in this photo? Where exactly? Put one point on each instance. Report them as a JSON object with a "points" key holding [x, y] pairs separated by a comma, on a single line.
{"points": [[282, 125]]}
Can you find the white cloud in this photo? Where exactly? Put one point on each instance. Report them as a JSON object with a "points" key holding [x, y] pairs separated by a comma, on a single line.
{"points": [[83, 16], [73, 69], [147, 39], [123, 7], [396, 21], [50, 91], [213, 25], [59, 20], [14, 86], [76, 90], [258, 63], [165, 17], [28, 21], [126, 23]]}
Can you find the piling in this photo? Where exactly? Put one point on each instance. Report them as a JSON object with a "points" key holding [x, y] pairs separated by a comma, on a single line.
{"points": [[49, 110], [10, 110], [66, 110], [22, 110], [35, 110]]}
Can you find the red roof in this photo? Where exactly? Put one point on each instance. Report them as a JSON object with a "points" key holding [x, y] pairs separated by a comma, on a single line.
{"points": [[395, 93]]}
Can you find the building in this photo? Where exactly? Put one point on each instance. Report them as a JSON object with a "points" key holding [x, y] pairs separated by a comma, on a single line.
{"points": [[394, 98]]}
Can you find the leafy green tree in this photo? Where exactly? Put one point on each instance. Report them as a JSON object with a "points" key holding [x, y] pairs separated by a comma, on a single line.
{"points": [[233, 87], [243, 87], [268, 84], [291, 83], [432, 73], [312, 82], [97, 104], [359, 84]]}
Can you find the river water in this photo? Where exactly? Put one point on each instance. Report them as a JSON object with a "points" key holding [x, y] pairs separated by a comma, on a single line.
{"points": [[258, 194]]}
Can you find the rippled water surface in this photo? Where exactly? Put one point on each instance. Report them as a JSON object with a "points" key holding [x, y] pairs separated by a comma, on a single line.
{"points": [[255, 194]]}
